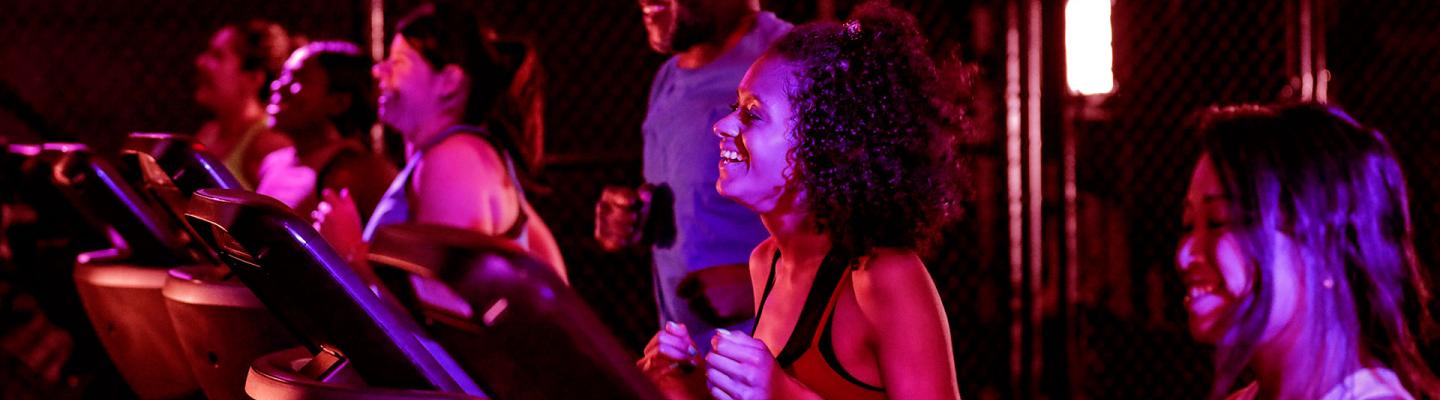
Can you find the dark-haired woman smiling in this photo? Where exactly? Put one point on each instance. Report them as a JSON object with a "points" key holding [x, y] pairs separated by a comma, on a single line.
{"points": [[1300, 260], [442, 87], [325, 102], [233, 80]]}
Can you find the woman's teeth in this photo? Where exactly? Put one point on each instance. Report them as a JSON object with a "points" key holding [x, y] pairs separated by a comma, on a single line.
{"points": [[731, 156], [1200, 290]]}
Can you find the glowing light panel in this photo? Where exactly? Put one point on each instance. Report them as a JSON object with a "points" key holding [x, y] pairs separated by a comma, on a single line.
{"points": [[1088, 52]]}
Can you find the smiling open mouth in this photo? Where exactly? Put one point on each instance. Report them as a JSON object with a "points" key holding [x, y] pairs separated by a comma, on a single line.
{"points": [[731, 156], [1201, 290]]}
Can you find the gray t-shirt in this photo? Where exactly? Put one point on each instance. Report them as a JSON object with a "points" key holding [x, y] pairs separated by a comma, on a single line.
{"points": [[682, 153]]}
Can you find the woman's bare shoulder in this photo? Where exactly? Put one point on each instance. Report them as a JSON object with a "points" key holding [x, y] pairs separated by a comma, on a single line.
{"points": [[763, 251], [460, 158], [888, 275], [465, 146], [886, 261]]}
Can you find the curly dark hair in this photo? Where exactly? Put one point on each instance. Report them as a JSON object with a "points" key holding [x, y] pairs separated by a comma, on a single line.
{"points": [[875, 139]]}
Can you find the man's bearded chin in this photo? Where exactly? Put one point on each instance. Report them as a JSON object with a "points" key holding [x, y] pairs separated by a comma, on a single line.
{"points": [[660, 42], [689, 28]]}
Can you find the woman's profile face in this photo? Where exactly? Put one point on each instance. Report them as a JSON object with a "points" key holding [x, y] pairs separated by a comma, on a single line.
{"points": [[220, 80], [299, 98], [407, 88], [1211, 263], [755, 139], [1217, 273]]}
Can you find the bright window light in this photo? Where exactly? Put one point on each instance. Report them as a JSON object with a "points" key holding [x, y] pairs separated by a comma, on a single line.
{"points": [[1088, 54]]}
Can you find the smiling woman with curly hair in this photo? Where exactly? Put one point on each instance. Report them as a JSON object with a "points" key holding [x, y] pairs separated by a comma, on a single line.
{"points": [[842, 144]]}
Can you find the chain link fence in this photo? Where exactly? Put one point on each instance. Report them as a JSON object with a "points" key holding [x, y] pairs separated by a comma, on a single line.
{"points": [[1133, 166]]}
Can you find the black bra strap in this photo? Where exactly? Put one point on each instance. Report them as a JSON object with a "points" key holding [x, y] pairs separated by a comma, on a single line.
{"points": [[827, 350], [769, 284], [827, 278]]}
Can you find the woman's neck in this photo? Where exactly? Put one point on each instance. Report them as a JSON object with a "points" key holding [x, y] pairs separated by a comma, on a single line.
{"points": [[1299, 363], [312, 145], [798, 238], [235, 123], [317, 137], [240, 120], [429, 128]]}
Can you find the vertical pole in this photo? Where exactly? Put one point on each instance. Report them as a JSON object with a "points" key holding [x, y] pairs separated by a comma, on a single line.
{"points": [[1071, 256], [1317, 29], [1305, 50], [376, 28], [1034, 163], [1015, 193], [1026, 120]]}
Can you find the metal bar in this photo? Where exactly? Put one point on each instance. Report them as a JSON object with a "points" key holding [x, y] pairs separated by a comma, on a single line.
{"points": [[376, 28], [1015, 191], [1072, 241], [1034, 77], [1317, 40], [1306, 50]]}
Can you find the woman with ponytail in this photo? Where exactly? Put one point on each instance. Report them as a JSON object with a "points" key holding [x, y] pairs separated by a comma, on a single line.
{"points": [[447, 87]]}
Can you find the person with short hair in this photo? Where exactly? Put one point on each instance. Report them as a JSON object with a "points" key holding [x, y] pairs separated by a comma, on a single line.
{"points": [[233, 82], [699, 240]]}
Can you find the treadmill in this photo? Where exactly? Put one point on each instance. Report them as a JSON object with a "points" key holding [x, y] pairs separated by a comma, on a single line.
{"points": [[355, 335], [121, 284], [186, 162], [511, 322]]}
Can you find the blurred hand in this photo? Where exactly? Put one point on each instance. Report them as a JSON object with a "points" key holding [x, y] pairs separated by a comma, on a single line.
{"points": [[620, 216], [339, 223], [337, 220], [721, 295], [671, 360], [742, 367]]}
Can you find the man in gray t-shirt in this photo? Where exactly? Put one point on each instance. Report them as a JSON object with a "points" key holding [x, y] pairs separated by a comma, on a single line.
{"points": [[701, 241]]}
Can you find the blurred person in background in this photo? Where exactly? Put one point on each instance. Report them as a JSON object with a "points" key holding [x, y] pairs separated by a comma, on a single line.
{"points": [[233, 81], [700, 240], [325, 102]]}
